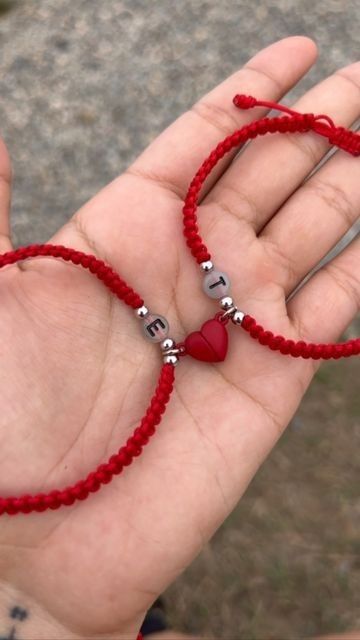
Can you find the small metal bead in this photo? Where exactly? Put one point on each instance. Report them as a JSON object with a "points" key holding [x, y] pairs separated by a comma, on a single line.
{"points": [[171, 360], [167, 344], [237, 317], [141, 312], [226, 303], [207, 266], [216, 284]]}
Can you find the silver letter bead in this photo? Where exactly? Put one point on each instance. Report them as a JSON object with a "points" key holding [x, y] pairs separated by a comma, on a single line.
{"points": [[216, 284], [155, 327]]}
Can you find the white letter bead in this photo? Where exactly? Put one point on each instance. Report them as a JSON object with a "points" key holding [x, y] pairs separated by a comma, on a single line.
{"points": [[155, 327], [216, 284]]}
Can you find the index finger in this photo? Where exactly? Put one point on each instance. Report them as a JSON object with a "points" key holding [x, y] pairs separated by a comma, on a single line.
{"points": [[173, 158]]}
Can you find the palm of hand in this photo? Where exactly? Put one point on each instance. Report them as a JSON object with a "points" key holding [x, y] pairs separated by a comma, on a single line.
{"points": [[77, 377]]}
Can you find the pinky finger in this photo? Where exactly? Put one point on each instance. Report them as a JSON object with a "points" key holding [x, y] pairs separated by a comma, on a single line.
{"points": [[325, 306], [5, 197]]}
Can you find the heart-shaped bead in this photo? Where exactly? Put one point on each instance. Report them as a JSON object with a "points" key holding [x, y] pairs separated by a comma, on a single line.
{"points": [[210, 344]]}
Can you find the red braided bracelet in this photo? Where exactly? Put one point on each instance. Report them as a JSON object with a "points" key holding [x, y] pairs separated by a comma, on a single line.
{"points": [[211, 342], [216, 283], [104, 473]]}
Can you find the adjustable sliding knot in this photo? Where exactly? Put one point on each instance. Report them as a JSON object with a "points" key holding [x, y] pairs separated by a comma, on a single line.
{"points": [[293, 122], [322, 124], [345, 139]]}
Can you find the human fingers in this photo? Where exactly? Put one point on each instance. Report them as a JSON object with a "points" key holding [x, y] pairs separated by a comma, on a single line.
{"points": [[329, 301], [314, 219], [262, 178], [173, 158]]}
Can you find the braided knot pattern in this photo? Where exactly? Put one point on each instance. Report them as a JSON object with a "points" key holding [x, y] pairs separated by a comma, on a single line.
{"points": [[291, 123], [299, 348], [282, 124], [105, 472], [345, 139], [100, 269]]}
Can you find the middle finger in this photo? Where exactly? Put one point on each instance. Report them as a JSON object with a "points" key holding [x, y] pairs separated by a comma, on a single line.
{"points": [[314, 219]]}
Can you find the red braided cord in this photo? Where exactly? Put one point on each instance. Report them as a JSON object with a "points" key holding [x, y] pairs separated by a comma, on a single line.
{"points": [[294, 122], [283, 124], [102, 271], [299, 122], [104, 473], [300, 349], [343, 138]]}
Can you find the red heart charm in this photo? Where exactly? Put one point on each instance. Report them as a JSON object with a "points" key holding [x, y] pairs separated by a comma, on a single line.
{"points": [[210, 344]]}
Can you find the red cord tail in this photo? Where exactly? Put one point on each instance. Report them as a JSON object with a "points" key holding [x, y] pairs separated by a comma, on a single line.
{"points": [[323, 125]]}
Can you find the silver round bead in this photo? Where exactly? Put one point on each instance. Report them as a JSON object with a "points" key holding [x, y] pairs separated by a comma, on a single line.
{"points": [[237, 317], [226, 303], [206, 266], [141, 312], [167, 344], [171, 360]]}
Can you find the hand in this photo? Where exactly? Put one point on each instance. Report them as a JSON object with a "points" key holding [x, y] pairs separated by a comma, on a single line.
{"points": [[76, 375]]}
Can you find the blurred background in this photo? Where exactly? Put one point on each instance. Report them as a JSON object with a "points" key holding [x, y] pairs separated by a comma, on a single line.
{"points": [[85, 85]]}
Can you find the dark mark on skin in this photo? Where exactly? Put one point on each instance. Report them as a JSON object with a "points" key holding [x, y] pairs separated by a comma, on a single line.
{"points": [[15, 613], [18, 613]]}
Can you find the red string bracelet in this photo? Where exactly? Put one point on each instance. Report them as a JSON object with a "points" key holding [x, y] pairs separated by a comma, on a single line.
{"points": [[105, 472], [210, 344], [216, 283]]}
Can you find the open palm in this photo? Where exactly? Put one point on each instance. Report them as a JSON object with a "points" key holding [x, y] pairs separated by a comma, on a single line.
{"points": [[76, 375]]}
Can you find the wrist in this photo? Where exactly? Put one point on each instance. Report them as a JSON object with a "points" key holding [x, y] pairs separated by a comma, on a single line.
{"points": [[22, 618]]}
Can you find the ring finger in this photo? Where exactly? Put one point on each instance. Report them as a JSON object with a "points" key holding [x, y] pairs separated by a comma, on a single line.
{"points": [[314, 219]]}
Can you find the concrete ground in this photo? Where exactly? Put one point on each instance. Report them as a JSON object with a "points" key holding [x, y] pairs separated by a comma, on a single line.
{"points": [[85, 85]]}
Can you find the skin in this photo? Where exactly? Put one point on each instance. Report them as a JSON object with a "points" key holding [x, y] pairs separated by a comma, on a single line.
{"points": [[76, 375]]}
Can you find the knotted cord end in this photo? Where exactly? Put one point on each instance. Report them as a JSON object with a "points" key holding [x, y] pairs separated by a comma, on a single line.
{"points": [[244, 102]]}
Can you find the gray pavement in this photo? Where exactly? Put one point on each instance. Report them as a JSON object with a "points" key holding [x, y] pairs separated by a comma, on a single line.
{"points": [[86, 84]]}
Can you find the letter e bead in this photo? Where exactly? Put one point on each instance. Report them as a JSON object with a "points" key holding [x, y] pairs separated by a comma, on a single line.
{"points": [[155, 327]]}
